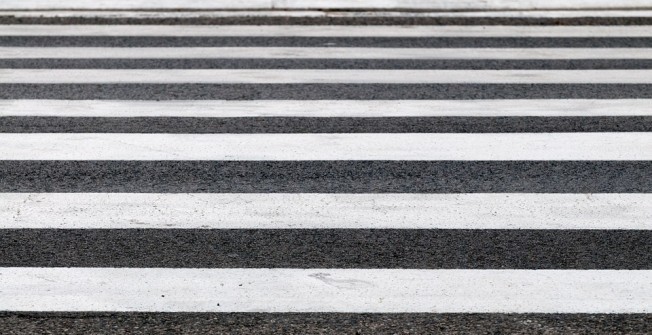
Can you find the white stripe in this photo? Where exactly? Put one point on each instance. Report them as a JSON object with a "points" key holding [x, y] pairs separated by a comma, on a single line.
{"points": [[48, 76], [325, 290], [324, 211], [325, 108], [113, 14], [317, 13], [326, 31], [516, 146], [326, 53], [326, 4]]}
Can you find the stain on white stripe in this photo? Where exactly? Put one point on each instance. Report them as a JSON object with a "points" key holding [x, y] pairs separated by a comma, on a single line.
{"points": [[325, 290], [326, 31], [50, 76], [490, 146], [324, 53], [324, 211], [325, 108]]}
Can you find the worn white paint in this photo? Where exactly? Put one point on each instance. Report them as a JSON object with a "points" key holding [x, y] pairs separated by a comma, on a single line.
{"points": [[326, 31], [482, 146], [210, 76], [325, 4], [324, 53], [325, 290], [324, 211], [145, 14], [325, 108]]}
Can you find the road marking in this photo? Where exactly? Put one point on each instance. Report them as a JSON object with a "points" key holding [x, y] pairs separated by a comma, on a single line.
{"points": [[324, 4], [325, 290], [324, 211], [325, 108], [483, 146], [327, 31], [323, 53], [145, 14], [58, 76]]}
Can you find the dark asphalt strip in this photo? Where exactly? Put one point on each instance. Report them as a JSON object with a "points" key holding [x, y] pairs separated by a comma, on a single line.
{"points": [[328, 248], [323, 91], [384, 42], [335, 18], [415, 64], [15, 323], [199, 125], [327, 176]]}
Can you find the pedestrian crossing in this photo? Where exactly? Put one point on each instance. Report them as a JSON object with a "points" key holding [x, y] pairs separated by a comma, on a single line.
{"points": [[326, 170]]}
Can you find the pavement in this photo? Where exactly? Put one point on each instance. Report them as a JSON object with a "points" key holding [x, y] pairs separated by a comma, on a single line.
{"points": [[89, 271]]}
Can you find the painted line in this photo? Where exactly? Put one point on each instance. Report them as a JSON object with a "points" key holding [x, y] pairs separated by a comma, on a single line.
{"points": [[327, 176], [252, 147], [326, 108], [324, 4], [325, 290], [326, 31], [144, 14], [324, 211], [323, 53], [84, 76]]}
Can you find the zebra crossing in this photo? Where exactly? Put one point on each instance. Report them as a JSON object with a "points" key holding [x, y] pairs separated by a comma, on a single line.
{"points": [[326, 170]]}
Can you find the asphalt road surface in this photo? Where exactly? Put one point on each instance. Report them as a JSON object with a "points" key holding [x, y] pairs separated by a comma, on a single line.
{"points": [[326, 176]]}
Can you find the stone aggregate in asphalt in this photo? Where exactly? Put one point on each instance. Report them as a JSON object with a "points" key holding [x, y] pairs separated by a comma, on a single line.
{"points": [[335, 18], [253, 125], [323, 91], [371, 64], [328, 248], [293, 41], [327, 176], [322, 323]]}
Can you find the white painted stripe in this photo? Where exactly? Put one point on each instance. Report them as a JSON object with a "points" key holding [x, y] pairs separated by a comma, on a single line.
{"points": [[144, 14], [325, 108], [326, 53], [324, 211], [326, 4], [325, 290], [53, 76], [326, 31], [490, 146]]}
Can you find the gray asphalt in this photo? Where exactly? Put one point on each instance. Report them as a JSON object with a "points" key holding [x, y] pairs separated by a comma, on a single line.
{"points": [[360, 42], [371, 64], [327, 176], [334, 19], [251, 125], [328, 248], [323, 91], [322, 323]]}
